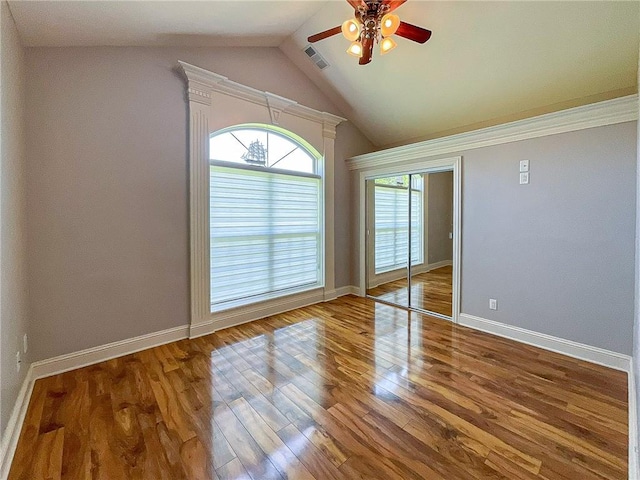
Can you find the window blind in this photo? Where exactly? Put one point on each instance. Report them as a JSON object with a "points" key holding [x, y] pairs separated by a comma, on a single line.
{"points": [[392, 227], [265, 234]]}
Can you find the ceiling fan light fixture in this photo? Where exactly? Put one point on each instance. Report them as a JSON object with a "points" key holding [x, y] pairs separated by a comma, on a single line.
{"points": [[389, 24], [373, 23], [355, 49], [387, 45], [351, 29]]}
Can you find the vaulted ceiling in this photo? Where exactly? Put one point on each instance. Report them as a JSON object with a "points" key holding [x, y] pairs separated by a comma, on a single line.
{"points": [[486, 63]]}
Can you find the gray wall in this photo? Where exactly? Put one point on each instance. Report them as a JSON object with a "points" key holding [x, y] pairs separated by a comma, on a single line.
{"points": [[636, 324], [558, 253], [107, 185], [346, 210], [13, 312], [440, 216]]}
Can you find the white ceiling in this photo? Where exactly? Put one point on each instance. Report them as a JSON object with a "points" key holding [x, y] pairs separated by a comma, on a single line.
{"points": [[64, 23], [486, 63]]}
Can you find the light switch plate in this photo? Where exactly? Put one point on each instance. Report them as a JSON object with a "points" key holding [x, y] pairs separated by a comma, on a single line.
{"points": [[524, 165]]}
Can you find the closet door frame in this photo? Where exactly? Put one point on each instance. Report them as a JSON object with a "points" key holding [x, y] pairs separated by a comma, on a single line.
{"points": [[453, 164]]}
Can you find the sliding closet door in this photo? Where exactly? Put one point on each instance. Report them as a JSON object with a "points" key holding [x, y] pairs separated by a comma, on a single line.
{"points": [[412, 237], [432, 242], [388, 230]]}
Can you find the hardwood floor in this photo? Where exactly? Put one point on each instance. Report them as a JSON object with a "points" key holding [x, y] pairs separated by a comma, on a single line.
{"points": [[342, 390], [429, 291]]}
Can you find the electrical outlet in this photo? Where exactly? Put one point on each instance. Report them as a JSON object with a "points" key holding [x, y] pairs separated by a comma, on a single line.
{"points": [[493, 304], [524, 178], [25, 343], [18, 361]]}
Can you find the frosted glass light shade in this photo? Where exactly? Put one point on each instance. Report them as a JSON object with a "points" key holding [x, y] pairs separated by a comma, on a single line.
{"points": [[387, 45], [389, 24], [355, 49], [351, 29]]}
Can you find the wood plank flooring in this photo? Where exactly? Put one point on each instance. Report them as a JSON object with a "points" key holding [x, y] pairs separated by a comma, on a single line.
{"points": [[349, 389], [430, 291]]}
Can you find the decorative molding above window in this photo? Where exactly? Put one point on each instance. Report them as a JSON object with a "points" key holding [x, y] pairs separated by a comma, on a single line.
{"points": [[275, 103]]}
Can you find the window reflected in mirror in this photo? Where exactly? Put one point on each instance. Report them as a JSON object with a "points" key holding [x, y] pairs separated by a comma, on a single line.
{"points": [[409, 244]]}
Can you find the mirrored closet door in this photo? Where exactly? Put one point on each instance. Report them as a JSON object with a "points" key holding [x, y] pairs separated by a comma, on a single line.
{"points": [[388, 239], [410, 240], [431, 273]]}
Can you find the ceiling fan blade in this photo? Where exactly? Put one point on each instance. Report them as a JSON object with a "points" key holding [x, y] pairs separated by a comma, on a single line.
{"points": [[357, 3], [416, 34], [393, 4], [322, 35], [367, 51]]}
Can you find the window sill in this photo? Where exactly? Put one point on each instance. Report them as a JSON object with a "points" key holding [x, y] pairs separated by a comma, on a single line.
{"points": [[257, 310], [257, 300]]}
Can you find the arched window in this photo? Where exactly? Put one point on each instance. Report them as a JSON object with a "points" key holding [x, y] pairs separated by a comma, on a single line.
{"points": [[265, 215]]}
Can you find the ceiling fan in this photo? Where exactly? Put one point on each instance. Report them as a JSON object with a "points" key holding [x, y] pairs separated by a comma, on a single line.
{"points": [[373, 22]]}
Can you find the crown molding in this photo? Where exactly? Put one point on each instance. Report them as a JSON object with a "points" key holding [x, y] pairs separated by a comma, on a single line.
{"points": [[203, 81], [609, 112]]}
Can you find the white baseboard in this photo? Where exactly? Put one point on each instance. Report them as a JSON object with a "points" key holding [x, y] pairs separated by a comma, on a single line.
{"points": [[240, 315], [348, 290], [201, 329], [330, 295], [634, 468], [443, 263], [9, 440], [386, 277], [83, 358], [570, 348], [394, 275]]}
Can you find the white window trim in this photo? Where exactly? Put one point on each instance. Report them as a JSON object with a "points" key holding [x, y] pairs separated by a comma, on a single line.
{"points": [[201, 84]]}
